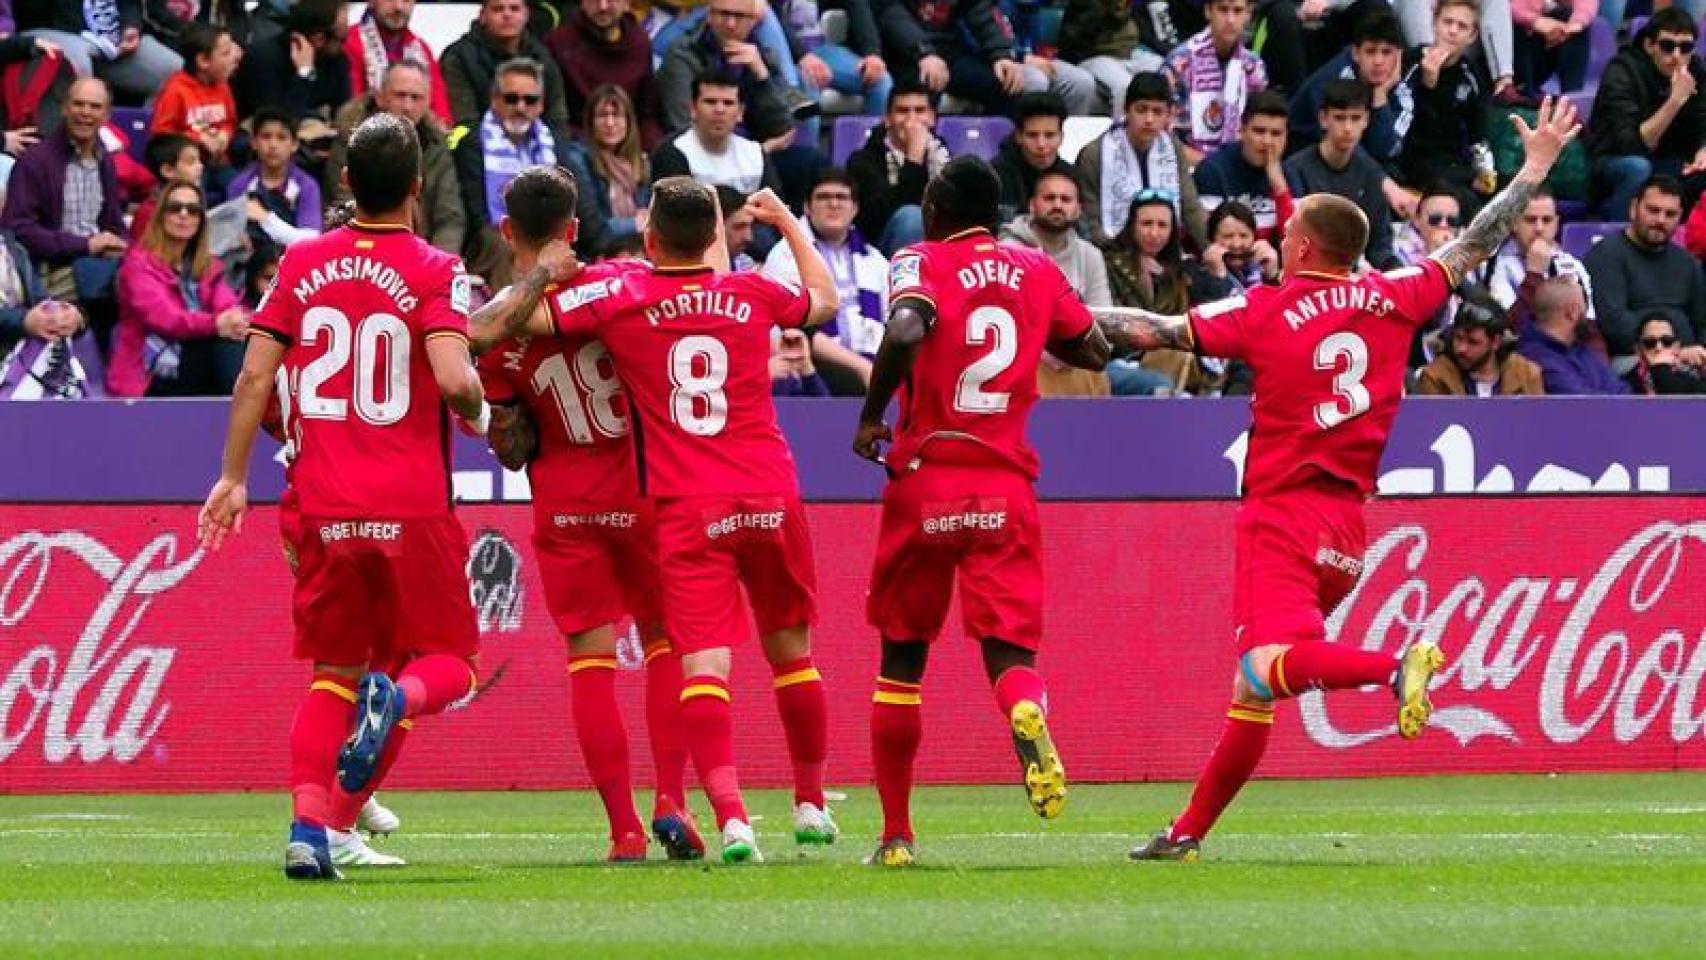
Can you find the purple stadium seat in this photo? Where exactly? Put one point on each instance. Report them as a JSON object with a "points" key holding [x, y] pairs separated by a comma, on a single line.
{"points": [[973, 135], [134, 121], [1572, 211], [849, 135], [1602, 44], [1583, 99], [1579, 238]]}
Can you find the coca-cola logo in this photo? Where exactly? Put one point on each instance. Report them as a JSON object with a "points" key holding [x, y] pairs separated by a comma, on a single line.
{"points": [[94, 694], [1586, 675]]}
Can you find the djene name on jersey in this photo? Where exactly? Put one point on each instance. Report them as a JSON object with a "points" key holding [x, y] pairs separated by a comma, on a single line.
{"points": [[700, 302], [364, 269], [1342, 297], [982, 273]]}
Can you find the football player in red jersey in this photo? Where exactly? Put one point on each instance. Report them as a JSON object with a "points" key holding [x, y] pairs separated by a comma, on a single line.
{"points": [[693, 350], [371, 324], [1328, 351], [969, 319], [559, 411]]}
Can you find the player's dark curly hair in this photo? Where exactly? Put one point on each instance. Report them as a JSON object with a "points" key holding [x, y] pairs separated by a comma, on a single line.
{"points": [[963, 196], [384, 162], [540, 203]]}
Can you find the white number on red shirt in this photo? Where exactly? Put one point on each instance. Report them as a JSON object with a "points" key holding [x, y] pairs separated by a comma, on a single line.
{"points": [[583, 393], [381, 347], [985, 324], [1352, 399], [699, 366]]}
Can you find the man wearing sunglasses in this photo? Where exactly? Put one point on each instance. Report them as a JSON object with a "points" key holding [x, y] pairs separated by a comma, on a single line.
{"points": [[1649, 116]]}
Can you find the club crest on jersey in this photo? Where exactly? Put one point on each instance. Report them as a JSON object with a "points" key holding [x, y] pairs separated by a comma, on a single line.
{"points": [[494, 582], [904, 271], [577, 297]]}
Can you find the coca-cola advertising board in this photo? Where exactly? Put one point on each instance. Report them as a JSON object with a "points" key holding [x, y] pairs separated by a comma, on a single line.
{"points": [[1576, 627]]}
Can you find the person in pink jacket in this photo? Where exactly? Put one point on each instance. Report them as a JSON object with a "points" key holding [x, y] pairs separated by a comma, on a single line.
{"points": [[181, 328], [1552, 38]]}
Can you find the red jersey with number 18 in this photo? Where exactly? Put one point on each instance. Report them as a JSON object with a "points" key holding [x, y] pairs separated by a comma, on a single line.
{"points": [[1328, 355], [356, 307], [693, 349], [997, 305]]}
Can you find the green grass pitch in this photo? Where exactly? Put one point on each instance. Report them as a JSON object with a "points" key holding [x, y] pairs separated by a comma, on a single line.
{"points": [[1579, 866]]}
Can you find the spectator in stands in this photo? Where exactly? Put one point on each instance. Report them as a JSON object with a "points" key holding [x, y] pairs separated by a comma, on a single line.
{"points": [[602, 44], [1251, 171], [1639, 271], [610, 165], [725, 46], [1146, 270], [171, 158], [406, 92], [1448, 135], [303, 69], [25, 308], [62, 201], [510, 137], [102, 38], [1552, 40], [1479, 361], [197, 101], [856, 67], [1043, 70], [383, 38], [1031, 151], [1213, 75], [1659, 370], [710, 150], [259, 273], [898, 158], [1650, 115], [843, 348], [792, 373], [1376, 57], [963, 47], [470, 65], [1051, 226], [1235, 259], [1140, 155], [181, 328], [283, 201], [738, 228], [1101, 37], [1497, 53], [1533, 252], [1552, 341], [1335, 165], [1437, 221]]}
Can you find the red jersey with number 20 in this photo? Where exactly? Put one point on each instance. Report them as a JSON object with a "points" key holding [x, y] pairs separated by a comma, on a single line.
{"points": [[369, 429], [1328, 354], [693, 349], [997, 305]]}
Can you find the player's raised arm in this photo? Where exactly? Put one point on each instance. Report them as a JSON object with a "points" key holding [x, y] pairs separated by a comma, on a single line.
{"points": [[1554, 127], [1130, 328], [518, 308], [768, 208], [458, 381], [229, 498], [910, 318]]}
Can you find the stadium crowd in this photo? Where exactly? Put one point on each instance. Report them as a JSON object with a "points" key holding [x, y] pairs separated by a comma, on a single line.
{"points": [[160, 155]]}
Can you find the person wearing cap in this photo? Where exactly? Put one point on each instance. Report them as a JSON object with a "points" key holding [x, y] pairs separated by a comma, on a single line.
{"points": [[1479, 359]]}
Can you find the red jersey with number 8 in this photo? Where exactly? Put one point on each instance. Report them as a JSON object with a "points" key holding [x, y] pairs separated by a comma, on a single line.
{"points": [[997, 306], [1328, 354], [369, 427], [693, 349]]}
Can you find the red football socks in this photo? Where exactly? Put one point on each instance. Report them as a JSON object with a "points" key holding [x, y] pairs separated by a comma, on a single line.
{"points": [[323, 722], [1319, 665], [805, 719], [434, 682], [897, 725], [346, 807], [663, 724], [1242, 742], [1019, 683], [603, 739], [706, 725]]}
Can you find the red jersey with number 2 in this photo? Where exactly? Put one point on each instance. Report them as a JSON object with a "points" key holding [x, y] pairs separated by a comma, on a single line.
{"points": [[369, 431], [693, 349], [1328, 354], [997, 305]]}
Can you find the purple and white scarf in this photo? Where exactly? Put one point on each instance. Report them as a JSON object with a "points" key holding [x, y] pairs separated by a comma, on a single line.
{"points": [[505, 159]]}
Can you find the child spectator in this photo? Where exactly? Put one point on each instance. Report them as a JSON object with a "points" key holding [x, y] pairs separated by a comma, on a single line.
{"points": [[284, 201], [172, 158], [197, 101]]}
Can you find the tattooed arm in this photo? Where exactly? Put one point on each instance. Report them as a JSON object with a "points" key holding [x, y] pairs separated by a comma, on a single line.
{"points": [[1129, 329], [517, 309], [1554, 127]]}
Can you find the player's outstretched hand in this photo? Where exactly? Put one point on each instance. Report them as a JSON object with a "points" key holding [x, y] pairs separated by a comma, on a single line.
{"points": [[222, 514], [766, 207], [559, 258], [1554, 127], [868, 441]]}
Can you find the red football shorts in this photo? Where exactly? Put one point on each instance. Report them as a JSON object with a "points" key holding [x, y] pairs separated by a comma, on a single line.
{"points": [[1299, 553], [975, 523], [599, 563], [372, 591], [709, 547], [290, 525]]}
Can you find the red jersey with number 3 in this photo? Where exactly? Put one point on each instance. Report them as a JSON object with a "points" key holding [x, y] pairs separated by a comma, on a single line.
{"points": [[997, 306], [369, 427], [569, 386], [693, 349], [1328, 354]]}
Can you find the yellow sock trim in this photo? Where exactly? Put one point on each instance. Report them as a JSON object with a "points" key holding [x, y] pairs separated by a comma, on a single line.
{"points": [[655, 650], [1250, 716], [704, 690], [897, 699], [899, 683], [1277, 675], [591, 663], [406, 724], [332, 687], [798, 676]]}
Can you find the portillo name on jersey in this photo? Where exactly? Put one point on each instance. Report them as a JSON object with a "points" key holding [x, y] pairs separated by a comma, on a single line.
{"points": [[700, 302]]}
